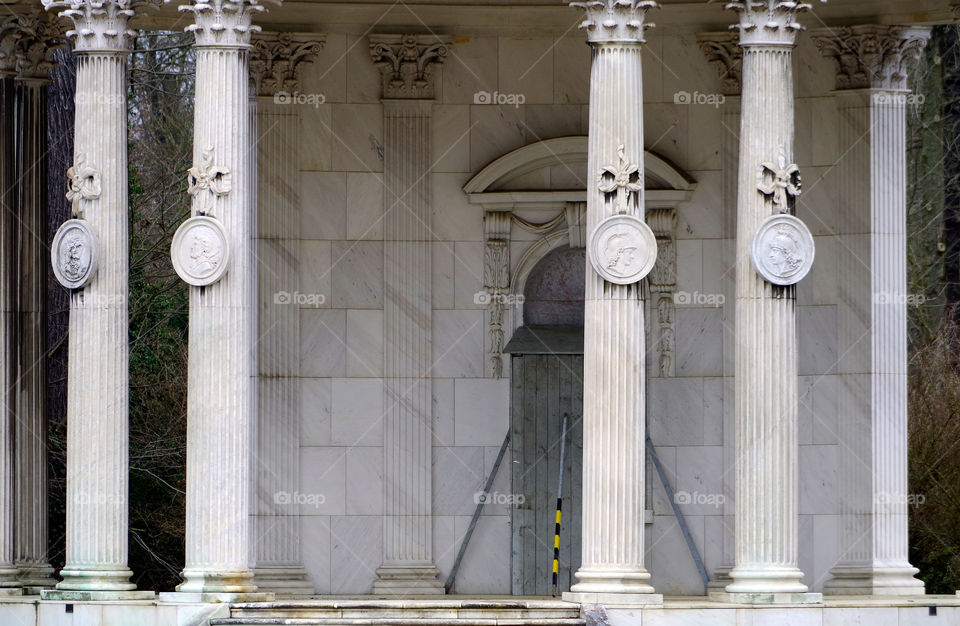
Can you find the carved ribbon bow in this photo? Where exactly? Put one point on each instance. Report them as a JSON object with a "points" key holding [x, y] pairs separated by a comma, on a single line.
{"points": [[779, 180], [208, 181], [625, 176], [83, 183]]}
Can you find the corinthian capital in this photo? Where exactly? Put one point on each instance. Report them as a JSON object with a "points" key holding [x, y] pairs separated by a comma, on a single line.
{"points": [[723, 51], [768, 22], [27, 43], [223, 23], [99, 25], [615, 21], [407, 62], [278, 58], [871, 57]]}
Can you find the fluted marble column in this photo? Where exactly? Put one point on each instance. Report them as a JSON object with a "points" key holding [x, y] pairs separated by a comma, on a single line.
{"points": [[766, 400], [9, 585], [612, 567], [215, 254], [97, 374], [39, 38], [722, 50], [407, 64], [275, 65], [872, 96]]}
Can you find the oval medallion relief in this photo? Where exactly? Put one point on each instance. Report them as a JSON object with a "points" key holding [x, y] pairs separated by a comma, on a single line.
{"points": [[200, 251], [75, 253], [783, 249], [623, 249]]}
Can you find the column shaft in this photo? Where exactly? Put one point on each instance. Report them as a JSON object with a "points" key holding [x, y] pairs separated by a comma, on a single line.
{"points": [[98, 372], [31, 425], [766, 364], [221, 374], [8, 335], [612, 567]]}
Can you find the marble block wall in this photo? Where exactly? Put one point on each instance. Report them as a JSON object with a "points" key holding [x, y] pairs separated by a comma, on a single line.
{"points": [[341, 304]]}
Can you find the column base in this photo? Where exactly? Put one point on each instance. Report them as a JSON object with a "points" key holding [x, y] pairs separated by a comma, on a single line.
{"points": [[283, 581], [612, 587], [79, 595], [721, 578], [766, 598], [36, 577], [209, 581], [95, 580], [408, 580], [851, 580], [766, 580]]}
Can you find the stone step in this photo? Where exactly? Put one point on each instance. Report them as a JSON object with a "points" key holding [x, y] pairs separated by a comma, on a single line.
{"points": [[408, 612], [409, 609], [398, 621]]}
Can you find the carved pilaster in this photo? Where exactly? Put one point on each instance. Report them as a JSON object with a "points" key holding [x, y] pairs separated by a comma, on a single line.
{"points": [[407, 64], [723, 51], [278, 58], [663, 284], [872, 61], [870, 56]]}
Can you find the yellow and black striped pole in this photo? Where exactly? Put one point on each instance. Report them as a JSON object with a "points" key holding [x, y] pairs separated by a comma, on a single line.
{"points": [[556, 531]]}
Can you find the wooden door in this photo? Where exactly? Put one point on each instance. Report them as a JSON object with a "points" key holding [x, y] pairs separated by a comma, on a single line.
{"points": [[545, 388]]}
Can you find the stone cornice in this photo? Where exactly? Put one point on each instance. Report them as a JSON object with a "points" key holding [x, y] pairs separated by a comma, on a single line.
{"points": [[615, 21], [223, 23], [406, 64], [277, 59], [723, 51], [768, 22], [870, 56], [98, 25]]}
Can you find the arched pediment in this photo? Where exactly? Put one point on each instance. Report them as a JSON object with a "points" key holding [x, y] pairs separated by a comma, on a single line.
{"points": [[528, 176]]}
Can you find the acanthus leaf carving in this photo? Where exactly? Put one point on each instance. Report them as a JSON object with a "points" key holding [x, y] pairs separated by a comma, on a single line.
{"points": [[768, 22], [662, 282], [724, 52], [223, 23], [496, 281], [615, 21], [99, 25], [407, 62], [27, 43], [277, 60], [870, 56]]}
